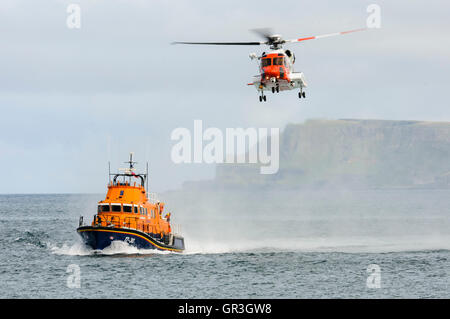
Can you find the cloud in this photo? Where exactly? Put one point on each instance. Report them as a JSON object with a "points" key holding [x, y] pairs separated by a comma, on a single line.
{"points": [[65, 92]]}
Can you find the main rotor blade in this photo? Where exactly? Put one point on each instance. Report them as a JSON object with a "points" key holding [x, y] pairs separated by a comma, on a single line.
{"points": [[263, 32], [325, 35], [221, 43]]}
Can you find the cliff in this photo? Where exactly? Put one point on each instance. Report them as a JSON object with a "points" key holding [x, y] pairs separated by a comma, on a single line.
{"points": [[350, 153]]}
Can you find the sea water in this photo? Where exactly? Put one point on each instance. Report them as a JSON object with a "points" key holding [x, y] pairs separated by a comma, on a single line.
{"points": [[305, 244]]}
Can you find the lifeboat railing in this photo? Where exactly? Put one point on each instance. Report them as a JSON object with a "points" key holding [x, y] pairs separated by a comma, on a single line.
{"points": [[126, 222]]}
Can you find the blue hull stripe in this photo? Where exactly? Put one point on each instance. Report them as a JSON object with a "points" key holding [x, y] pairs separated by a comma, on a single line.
{"points": [[99, 238]]}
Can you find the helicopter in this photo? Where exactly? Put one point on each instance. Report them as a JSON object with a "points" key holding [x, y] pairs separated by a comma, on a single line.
{"points": [[276, 67]]}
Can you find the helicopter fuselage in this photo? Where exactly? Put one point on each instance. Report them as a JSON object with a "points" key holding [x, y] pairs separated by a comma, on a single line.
{"points": [[277, 72]]}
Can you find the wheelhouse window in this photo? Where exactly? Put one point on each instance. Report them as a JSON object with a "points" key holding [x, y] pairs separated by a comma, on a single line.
{"points": [[103, 208], [116, 208], [278, 61], [266, 62], [135, 209], [127, 209]]}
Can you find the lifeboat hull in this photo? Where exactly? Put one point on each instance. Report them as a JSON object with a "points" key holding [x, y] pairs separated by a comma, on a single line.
{"points": [[99, 238]]}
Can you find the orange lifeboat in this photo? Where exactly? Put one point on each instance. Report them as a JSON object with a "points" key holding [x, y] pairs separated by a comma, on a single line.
{"points": [[127, 214]]}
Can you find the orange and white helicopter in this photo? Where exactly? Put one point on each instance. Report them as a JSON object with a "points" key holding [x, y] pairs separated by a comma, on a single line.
{"points": [[277, 66]]}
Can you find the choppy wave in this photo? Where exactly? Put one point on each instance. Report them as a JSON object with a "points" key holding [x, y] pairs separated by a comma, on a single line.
{"points": [[36, 238]]}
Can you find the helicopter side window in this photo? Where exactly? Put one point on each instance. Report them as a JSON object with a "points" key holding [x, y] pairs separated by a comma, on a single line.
{"points": [[266, 62], [116, 208], [278, 61]]}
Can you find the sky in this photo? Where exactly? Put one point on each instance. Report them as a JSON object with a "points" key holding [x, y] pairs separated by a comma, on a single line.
{"points": [[73, 99]]}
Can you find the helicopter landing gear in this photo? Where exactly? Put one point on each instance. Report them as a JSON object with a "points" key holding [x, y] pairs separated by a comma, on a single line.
{"points": [[273, 89], [301, 94], [278, 89], [262, 97]]}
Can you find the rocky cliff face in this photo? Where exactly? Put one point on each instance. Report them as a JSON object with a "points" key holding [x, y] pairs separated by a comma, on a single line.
{"points": [[354, 154]]}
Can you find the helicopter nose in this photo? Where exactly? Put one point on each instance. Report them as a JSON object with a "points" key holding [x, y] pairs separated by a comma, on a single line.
{"points": [[271, 72]]}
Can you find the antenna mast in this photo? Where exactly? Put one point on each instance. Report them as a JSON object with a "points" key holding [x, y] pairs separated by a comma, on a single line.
{"points": [[131, 162], [146, 179]]}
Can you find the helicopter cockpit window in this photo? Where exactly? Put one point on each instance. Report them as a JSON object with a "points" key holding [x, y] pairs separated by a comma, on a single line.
{"points": [[266, 62], [278, 61]]}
